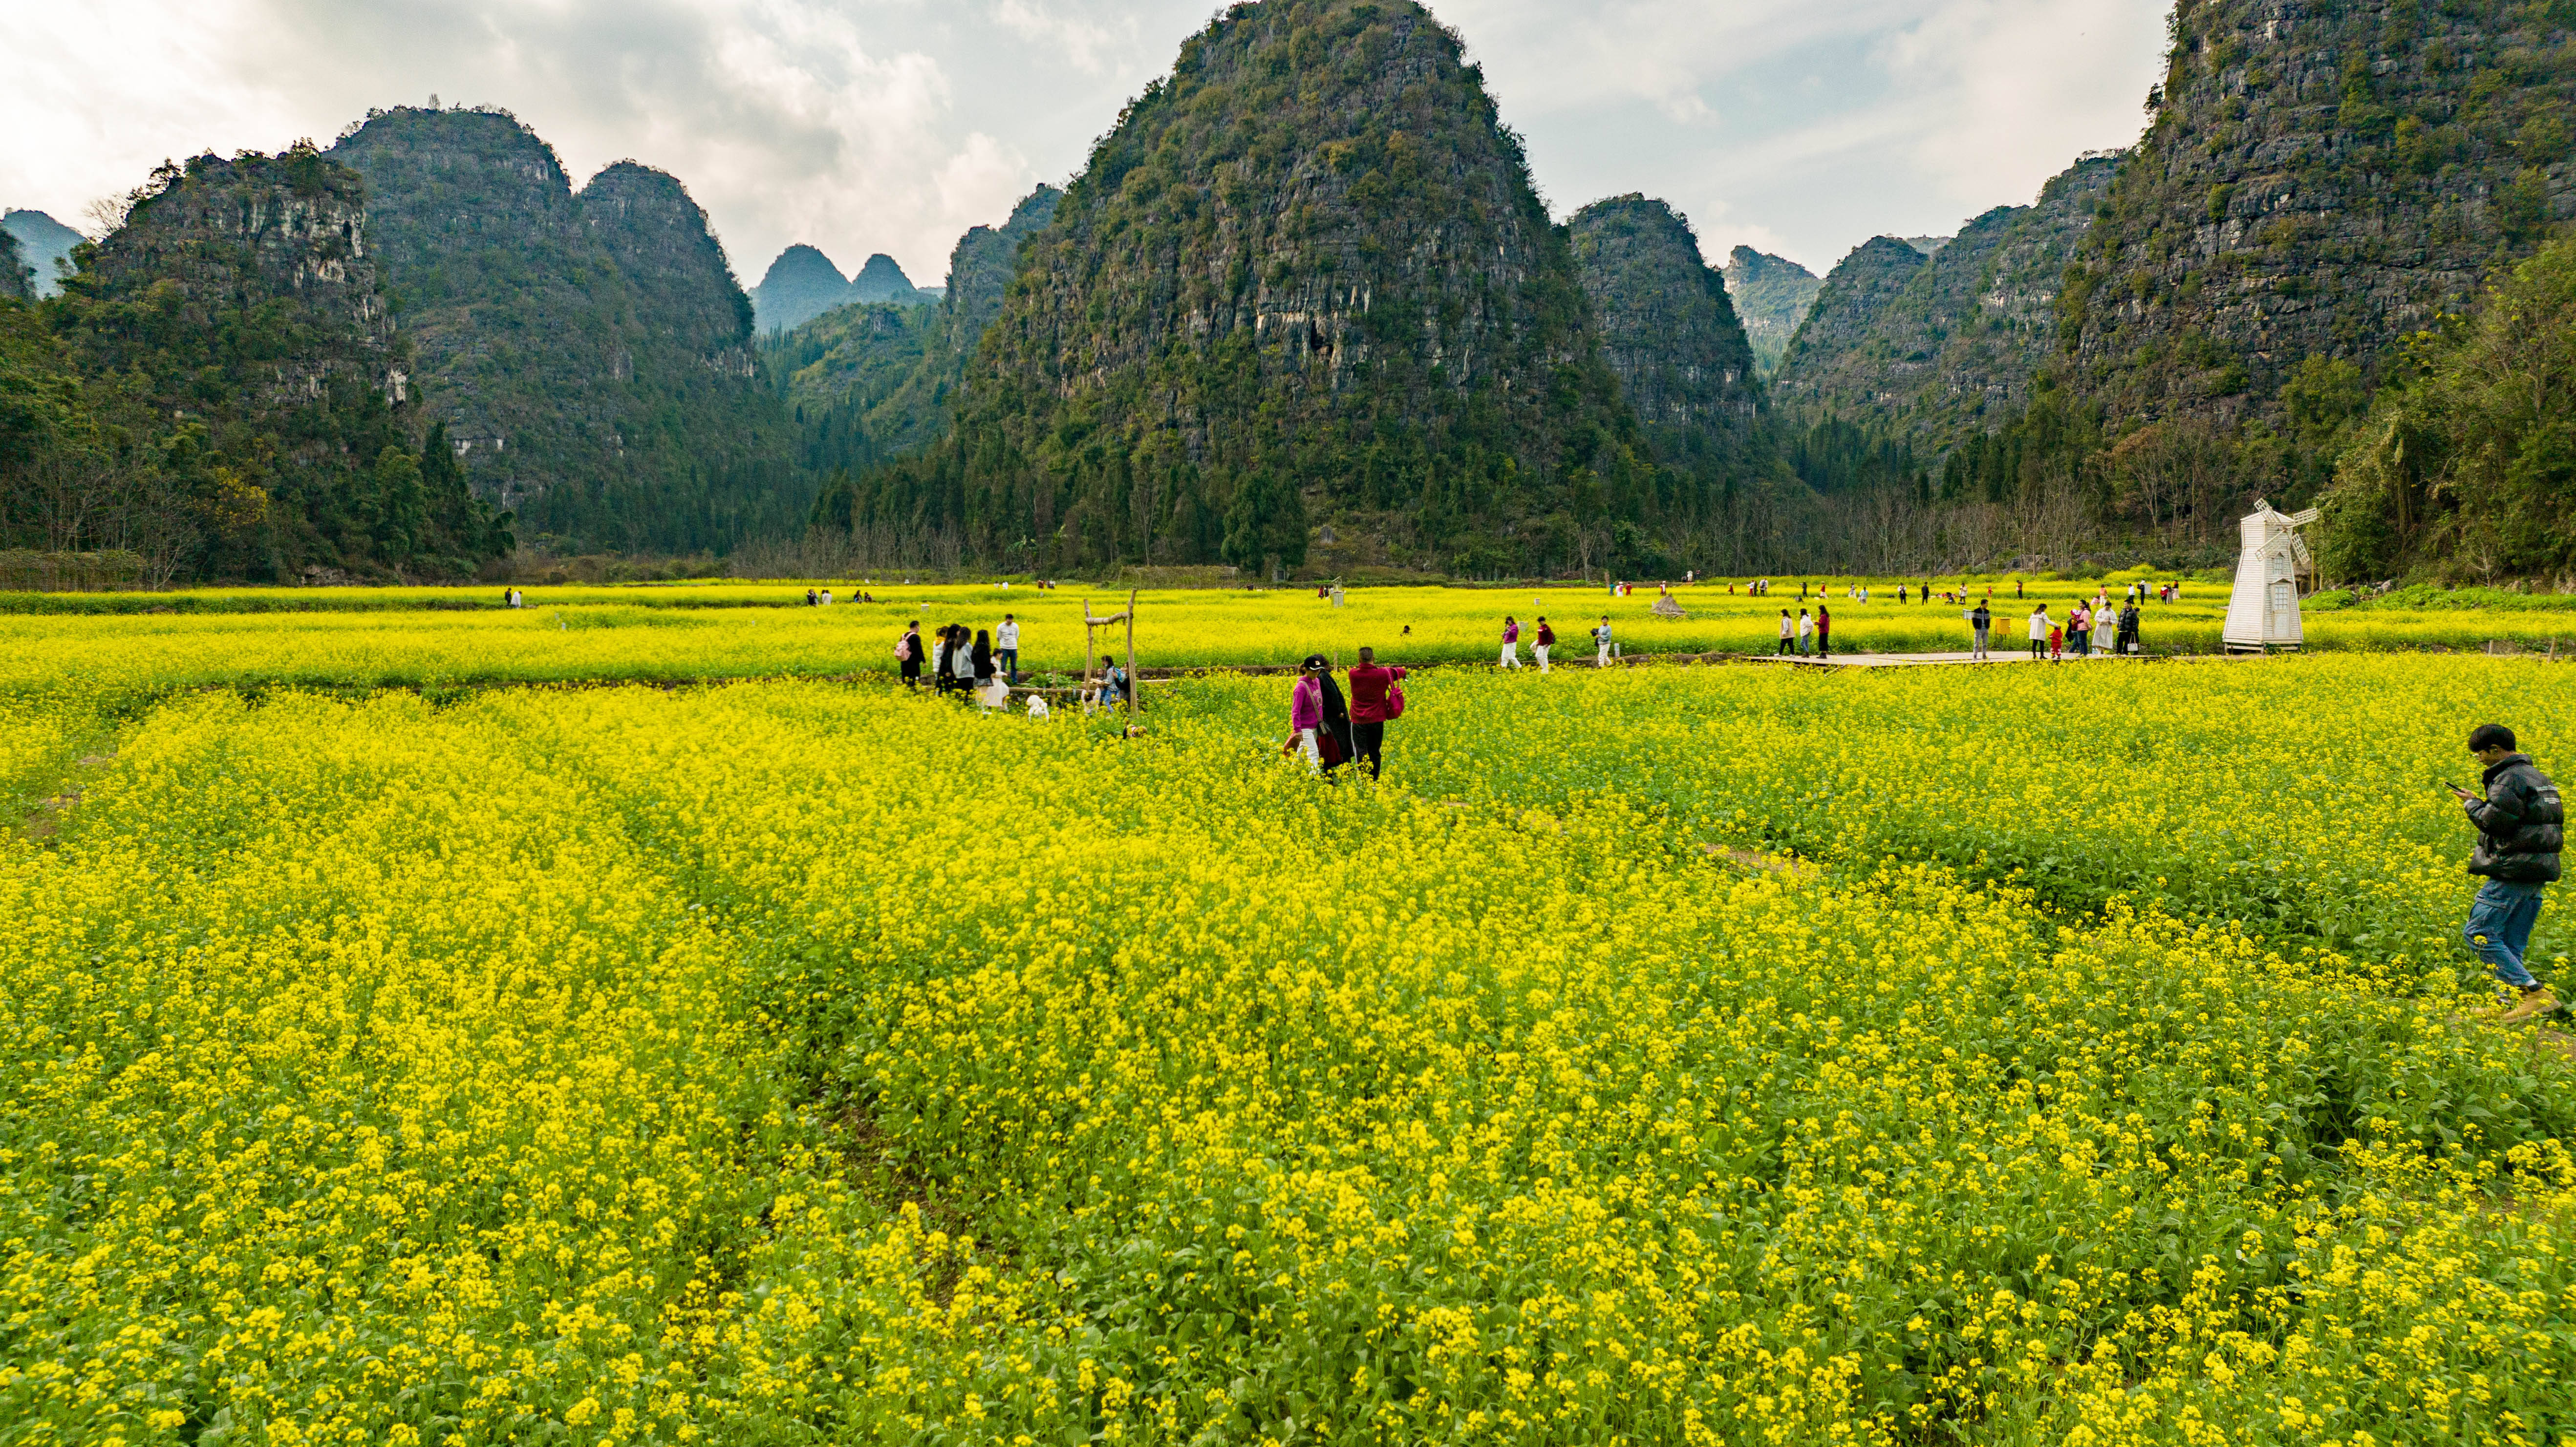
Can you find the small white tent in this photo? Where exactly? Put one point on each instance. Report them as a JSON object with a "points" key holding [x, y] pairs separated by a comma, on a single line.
{"points": [[2263, 612]]}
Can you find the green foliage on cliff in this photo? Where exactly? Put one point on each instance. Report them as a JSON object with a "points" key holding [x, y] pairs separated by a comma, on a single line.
{"points": [[1772, 294], [217, 390], [2467, 462], [2316, 184], [1944, 343], [1311, 254], [590, 354], [871, 382]]}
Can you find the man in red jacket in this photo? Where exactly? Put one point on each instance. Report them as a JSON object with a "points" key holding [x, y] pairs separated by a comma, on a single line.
{"points": [[1370, 685]]}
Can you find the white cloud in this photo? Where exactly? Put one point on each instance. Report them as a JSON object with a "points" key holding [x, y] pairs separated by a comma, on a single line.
{"points": [[1084, 42], [1802, 126]]}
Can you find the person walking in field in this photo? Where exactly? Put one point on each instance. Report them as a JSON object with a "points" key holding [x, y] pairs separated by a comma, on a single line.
{"points": [[907, 657], [1511, 643], [1786, 632], [1006, 645], [2079, 627], [2102, 626], [1376, 700], [1979, 622], [1806, 633], [1306, 717], [2127, 642], [2518, 825], [1824, 632], [2039, 631], [1546, 641], [961, 661], [2056, 645], [1601, 643]]}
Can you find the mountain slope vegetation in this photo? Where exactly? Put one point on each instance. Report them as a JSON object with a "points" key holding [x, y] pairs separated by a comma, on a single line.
{"points": [[591, 354], [1305, 276], [221, 391]]}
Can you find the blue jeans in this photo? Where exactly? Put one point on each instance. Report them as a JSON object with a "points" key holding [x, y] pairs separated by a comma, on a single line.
{"points": [[1009, 658], [2499, 928]]}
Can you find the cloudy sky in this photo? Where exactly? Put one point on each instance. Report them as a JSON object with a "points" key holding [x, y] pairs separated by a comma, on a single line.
{"points": [[1799, 126]]}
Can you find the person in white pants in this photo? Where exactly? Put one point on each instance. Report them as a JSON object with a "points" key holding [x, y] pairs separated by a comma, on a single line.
{"points": [[1511, 643], [1546, 641], [1601, 643]]}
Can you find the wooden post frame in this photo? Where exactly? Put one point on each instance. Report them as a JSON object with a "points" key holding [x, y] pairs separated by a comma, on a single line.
{"points": [[1132, 697]]}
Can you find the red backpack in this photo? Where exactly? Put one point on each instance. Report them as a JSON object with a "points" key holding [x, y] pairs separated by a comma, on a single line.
{"points": [[1394, 700]]}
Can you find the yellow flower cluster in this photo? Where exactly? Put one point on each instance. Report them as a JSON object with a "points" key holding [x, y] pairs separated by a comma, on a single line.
{"points": [[797, 1062]]}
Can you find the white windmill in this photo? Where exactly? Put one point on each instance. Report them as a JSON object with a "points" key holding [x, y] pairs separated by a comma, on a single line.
{"points": [[2263, 612]]}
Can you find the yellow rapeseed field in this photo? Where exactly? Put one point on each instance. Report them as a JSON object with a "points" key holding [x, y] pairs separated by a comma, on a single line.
{"points": [[809, 1062], [663, 634]]}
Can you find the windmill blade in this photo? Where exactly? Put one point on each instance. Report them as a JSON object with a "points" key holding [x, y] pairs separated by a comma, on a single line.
{"points": [[2302, 518]]}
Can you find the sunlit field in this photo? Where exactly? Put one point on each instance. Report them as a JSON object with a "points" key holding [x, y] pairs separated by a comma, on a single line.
{"points": [[629, 634], [1667, 1054]]}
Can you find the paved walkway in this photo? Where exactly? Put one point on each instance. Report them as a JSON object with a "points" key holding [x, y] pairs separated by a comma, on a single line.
{"points": [[1917, 660]]}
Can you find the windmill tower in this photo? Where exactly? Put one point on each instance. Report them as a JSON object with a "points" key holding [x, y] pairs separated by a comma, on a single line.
{"points": [[2263, 611]]}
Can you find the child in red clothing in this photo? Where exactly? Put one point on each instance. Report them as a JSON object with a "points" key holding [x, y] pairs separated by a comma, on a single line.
{"points": [[2056, 643]]}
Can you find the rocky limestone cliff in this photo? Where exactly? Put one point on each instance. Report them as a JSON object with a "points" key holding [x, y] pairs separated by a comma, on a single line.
{"points": [[693, 313], [1860, 288], [589, 354], [239, 304], [1957, 346], [278, 244], [799, 286], [1667, 329], [2321, 177], [1305, 272], [1771, 296]]}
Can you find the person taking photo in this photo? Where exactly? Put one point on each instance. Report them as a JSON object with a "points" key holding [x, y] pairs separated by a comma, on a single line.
{"points": [[2518, 825]]}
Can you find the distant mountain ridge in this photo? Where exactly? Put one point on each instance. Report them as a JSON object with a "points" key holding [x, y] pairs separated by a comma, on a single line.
{"points": [[44, 246], [871, 381], [803, 283]]}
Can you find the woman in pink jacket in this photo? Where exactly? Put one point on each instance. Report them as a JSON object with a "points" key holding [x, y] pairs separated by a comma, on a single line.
{"points": [[1511, 642]]}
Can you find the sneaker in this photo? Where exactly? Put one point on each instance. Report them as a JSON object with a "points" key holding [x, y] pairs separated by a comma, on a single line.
{"points": [[2535, 1002]]}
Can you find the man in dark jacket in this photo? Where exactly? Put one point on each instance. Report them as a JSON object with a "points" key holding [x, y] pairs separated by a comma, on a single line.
{"points": [[2518, 835]]}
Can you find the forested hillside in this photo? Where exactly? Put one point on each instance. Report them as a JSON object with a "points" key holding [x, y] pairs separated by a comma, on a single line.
{"points": [[1955, 345], [2319, 180], [1671, 336], [1304, 277], [871, 382], [591, 354], [2317, 185], [221, 390], [1771, 295]]}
